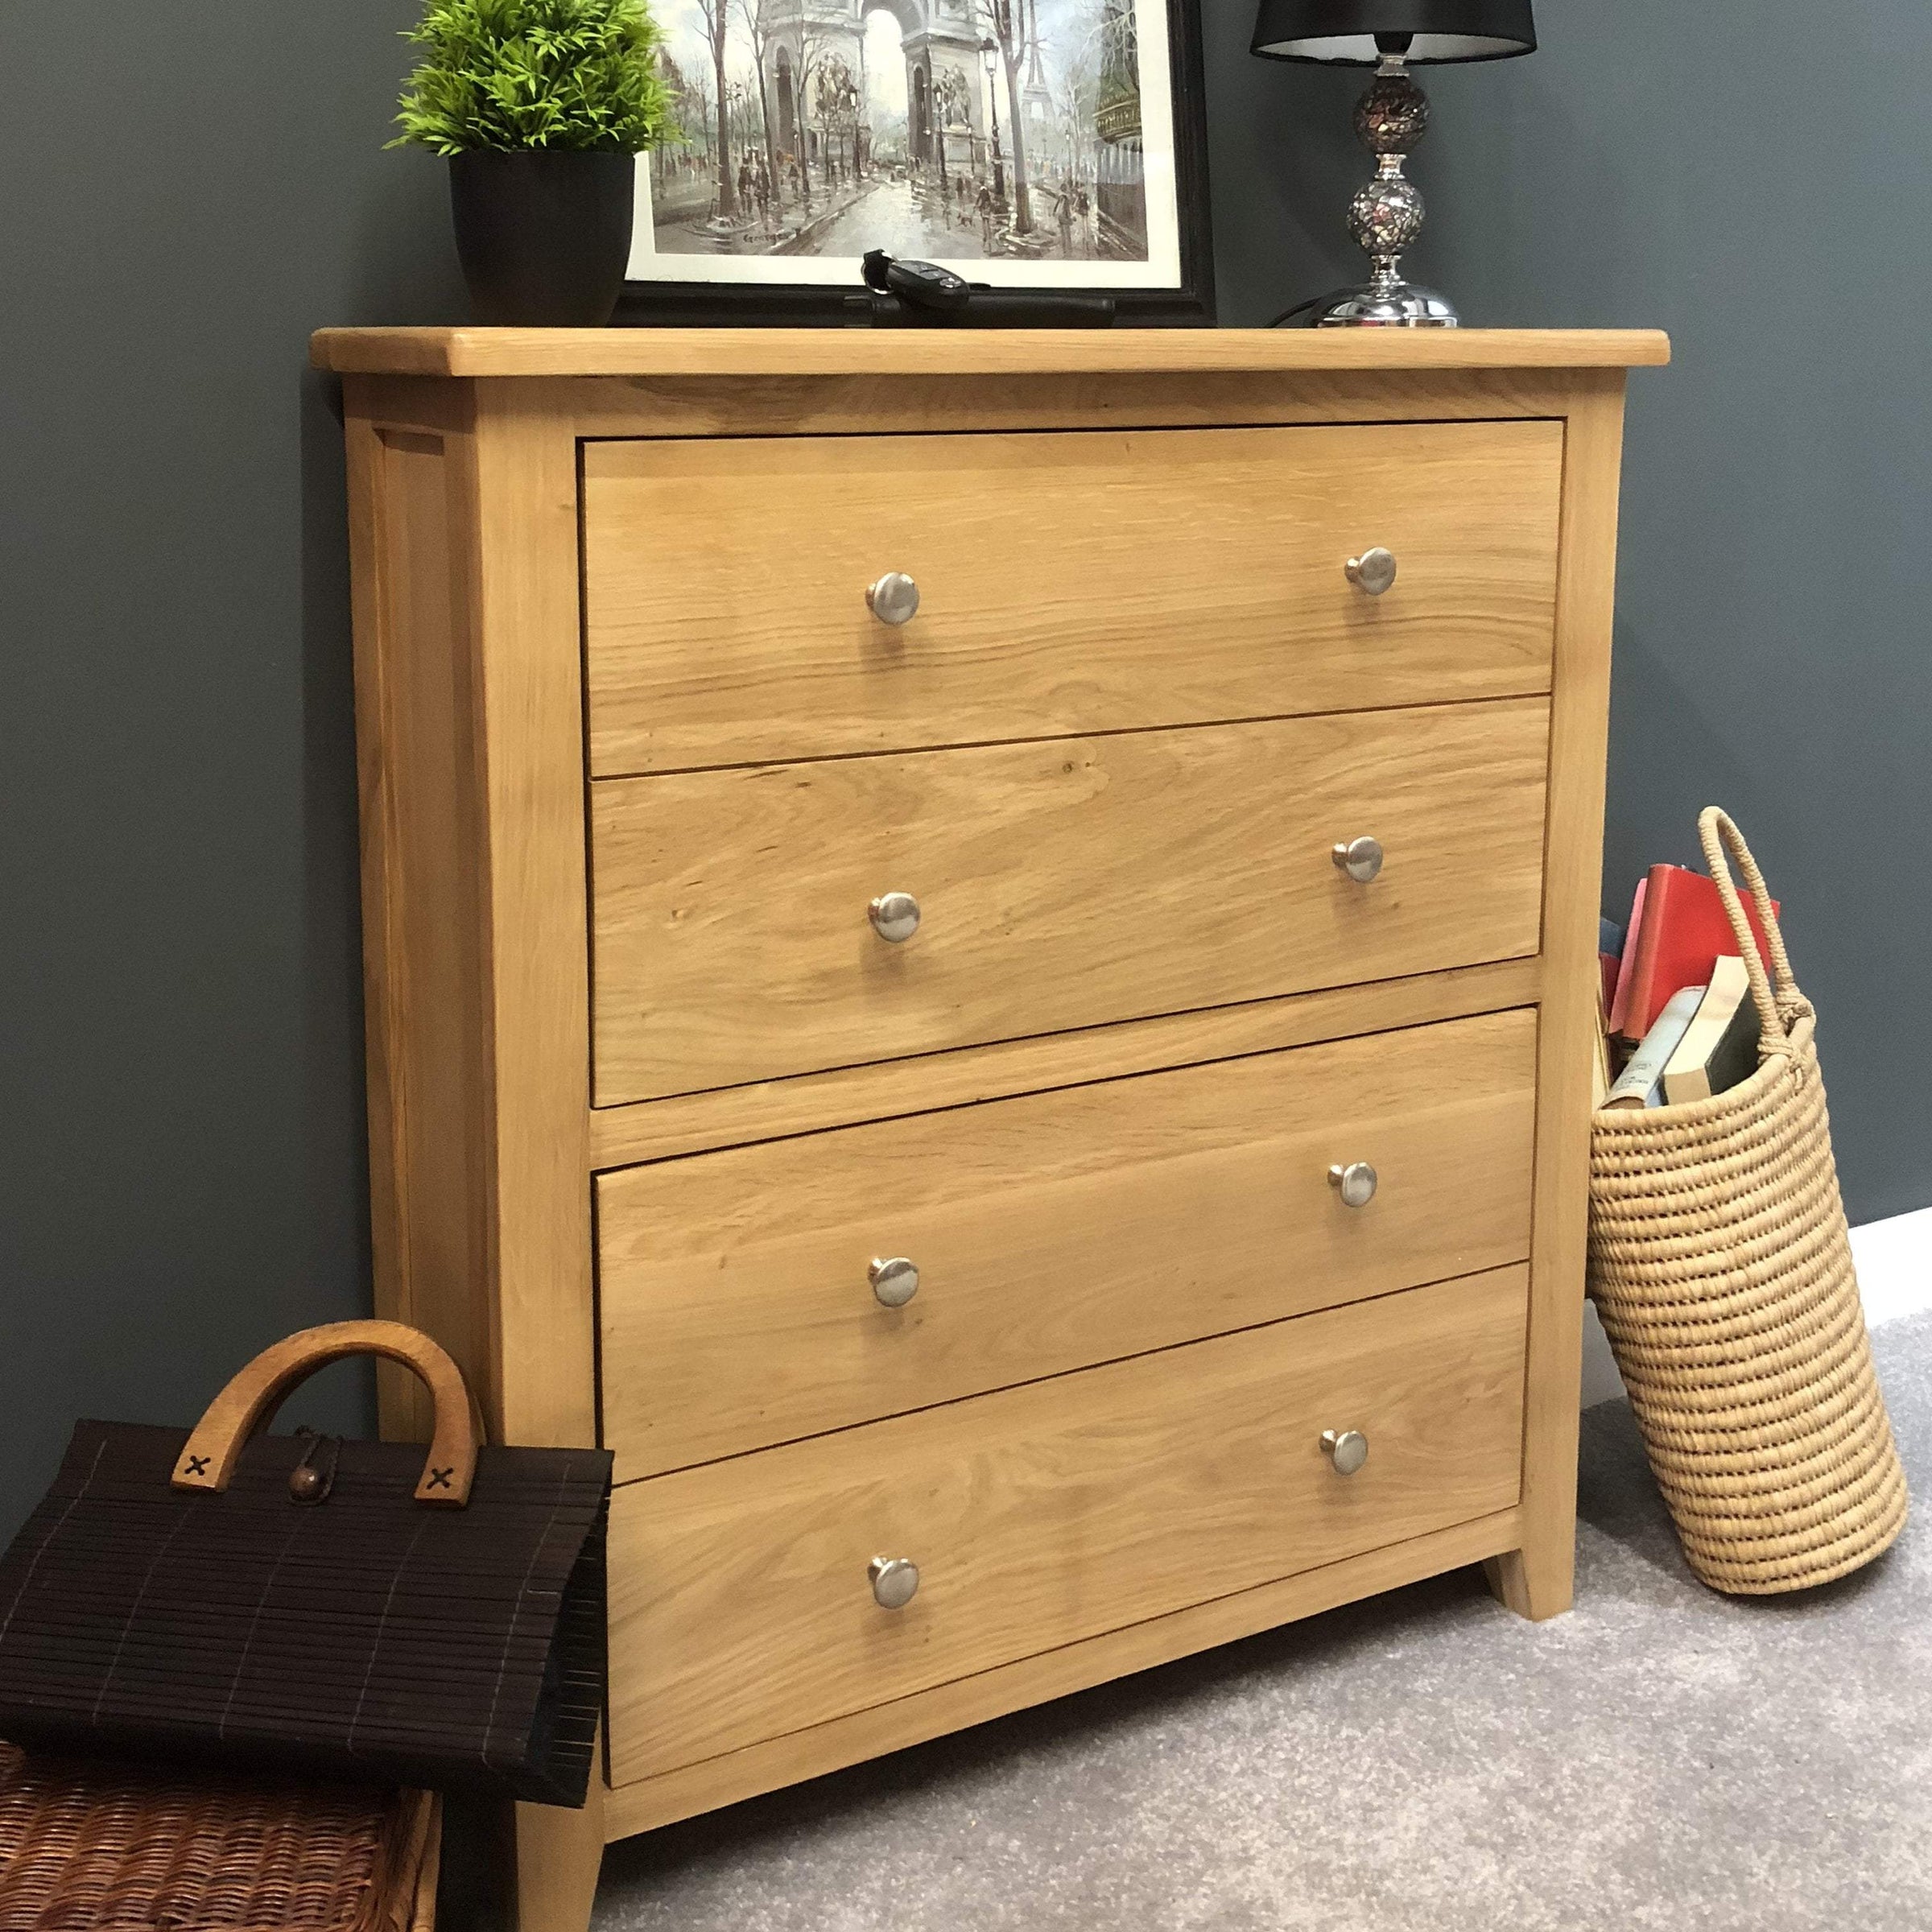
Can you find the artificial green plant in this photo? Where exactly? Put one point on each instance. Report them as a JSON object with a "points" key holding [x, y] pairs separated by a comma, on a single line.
{"points": [[536, 73]]}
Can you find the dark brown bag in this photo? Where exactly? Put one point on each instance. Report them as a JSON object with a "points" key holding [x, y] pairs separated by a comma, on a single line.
{"points": [[347, 1609]]}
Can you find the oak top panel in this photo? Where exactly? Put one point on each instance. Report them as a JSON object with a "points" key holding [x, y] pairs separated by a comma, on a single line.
{"points": [[861, 352]]}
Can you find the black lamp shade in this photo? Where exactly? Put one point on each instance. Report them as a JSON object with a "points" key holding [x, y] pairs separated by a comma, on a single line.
{"points": [[1346, 33]]}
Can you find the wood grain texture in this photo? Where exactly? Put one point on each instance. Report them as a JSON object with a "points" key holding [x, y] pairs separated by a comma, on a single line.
{"points": [[470, 749], [558, 1853], [463, 522], [761, 352], [741, 1607], [848, 1096], [523, 524], [426, 406], [1068, 584], [418, 750], [811, 1752], [1062, 884], [530, 688], [1049, 1233], [871, 404], [1537, 1580], [470, 741], [429, 1872]]}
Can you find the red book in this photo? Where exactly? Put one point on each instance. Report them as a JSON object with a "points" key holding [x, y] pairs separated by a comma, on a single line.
{"points": [[1684, 934], [1633, 935], [1608, 965]]}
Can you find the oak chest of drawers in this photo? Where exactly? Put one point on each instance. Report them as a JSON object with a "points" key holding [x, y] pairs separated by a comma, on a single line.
{"points": [[979, 957]]}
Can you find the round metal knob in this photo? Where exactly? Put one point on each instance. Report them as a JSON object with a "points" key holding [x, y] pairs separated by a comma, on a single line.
{"points": [[1347, 1448], [895, 916], [895, 1581], [1361, 858], [895, 1281], [1374, 571], [1356, 1183], [895, 598]]}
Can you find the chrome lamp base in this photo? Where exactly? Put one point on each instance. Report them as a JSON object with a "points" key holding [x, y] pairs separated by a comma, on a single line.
{"points": [[1387, 302], [1386, 215]]}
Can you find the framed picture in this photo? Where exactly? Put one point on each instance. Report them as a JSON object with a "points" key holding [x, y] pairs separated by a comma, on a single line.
{"points": [[1049, 144]]}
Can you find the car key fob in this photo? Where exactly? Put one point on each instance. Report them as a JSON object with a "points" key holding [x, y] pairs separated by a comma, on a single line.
{"points": [[924, 284]]}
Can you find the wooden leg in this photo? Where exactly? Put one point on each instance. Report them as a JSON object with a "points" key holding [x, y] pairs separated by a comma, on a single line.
{"points": [[1533, 1584], [1536, 1580], [558, 1853]]}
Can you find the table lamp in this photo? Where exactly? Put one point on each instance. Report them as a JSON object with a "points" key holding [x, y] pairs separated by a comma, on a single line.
{"points": [[1390, 36]]}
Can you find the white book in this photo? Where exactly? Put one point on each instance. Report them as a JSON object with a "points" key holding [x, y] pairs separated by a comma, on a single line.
{"points": [[1717, 1040], [1642, 1082]]}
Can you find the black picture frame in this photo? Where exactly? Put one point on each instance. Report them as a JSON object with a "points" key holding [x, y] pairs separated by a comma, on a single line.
{"points": [[723, 304]]}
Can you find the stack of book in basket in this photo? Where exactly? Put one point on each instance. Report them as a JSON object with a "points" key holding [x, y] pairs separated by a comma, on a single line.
{"points": [[1678, 1020]]}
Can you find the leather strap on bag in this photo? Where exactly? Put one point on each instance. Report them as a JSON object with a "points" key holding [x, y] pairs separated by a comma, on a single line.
{"points": [[1777, 1007], [242, 1409]]}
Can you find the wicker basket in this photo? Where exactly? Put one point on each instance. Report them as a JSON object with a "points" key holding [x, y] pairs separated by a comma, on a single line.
{"points": [[1721, 1267], [95, 1847]]}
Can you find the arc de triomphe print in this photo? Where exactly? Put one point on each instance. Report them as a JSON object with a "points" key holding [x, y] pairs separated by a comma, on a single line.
{"points": [[941, 43], [1006, 132]]}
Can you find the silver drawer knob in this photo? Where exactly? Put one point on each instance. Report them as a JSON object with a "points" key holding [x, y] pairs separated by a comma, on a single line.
{"points": [[895, 1282], [895, 1582], [1356, 1183], [1361, 858], [895, 916], [1347, 1448], [1374, 571], [895, 598]]}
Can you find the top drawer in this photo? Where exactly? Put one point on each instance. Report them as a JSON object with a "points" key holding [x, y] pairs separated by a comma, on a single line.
{"points": [[1068, 582]]}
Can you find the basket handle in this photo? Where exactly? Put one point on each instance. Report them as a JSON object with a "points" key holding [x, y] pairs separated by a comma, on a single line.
{"points": [[1723, 842], [242, 1409]]}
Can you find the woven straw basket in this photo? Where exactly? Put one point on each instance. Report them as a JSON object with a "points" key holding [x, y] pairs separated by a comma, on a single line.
{"points": [[93, 1846], [1721, 1267]]}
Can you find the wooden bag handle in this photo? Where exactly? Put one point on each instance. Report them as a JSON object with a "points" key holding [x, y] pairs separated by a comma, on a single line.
{"points": [[242, 1409]]}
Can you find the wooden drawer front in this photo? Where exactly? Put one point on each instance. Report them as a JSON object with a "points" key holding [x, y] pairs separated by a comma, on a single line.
{"points": [[1068, 584], [739, 1605], [1062, 884], [1049, 1233]]}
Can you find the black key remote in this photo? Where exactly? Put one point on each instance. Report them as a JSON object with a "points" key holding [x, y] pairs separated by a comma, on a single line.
{"points": [[924, 284]]}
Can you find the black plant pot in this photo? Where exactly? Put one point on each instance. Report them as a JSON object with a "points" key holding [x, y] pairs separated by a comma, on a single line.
{"points": [[543, 233]]}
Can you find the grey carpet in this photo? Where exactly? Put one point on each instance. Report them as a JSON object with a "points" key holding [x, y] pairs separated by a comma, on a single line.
{"points": [[1661, 1758]]}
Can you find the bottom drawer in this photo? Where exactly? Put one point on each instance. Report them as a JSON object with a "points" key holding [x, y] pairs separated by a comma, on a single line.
{"points": [[741, 1605]]}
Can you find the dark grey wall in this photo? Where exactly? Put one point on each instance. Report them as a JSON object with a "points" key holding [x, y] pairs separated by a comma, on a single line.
{"points": [[190, 190]]}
